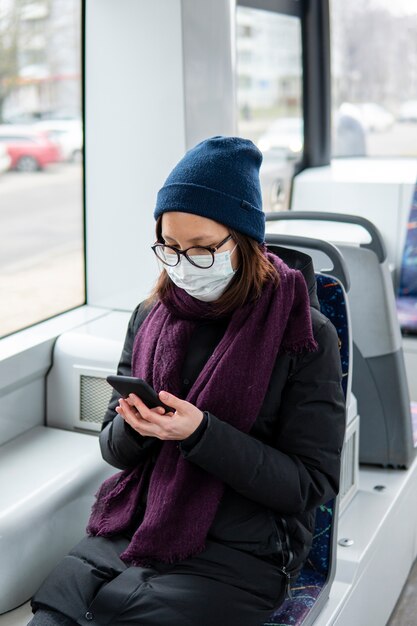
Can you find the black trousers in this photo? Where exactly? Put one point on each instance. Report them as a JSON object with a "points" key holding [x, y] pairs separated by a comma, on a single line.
{"points": [[221, 586]]}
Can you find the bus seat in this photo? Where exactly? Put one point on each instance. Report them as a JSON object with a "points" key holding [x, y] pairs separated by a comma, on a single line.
{"points": [[379, 378], [330, 295], [407, 292], [48, 478], [311, 588]]}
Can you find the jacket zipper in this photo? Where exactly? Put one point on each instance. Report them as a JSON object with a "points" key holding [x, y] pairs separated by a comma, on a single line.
{"points": [[288, 551], [287, 541]]}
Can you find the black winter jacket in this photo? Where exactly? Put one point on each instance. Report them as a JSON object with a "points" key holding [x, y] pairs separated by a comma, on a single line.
{"points": [[289, 463]]}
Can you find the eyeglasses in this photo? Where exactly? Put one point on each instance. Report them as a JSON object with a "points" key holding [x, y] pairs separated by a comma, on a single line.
{"points": [[200, 256]]}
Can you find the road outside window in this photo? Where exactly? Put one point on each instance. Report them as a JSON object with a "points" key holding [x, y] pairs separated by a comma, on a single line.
{"points": [[374, 77], [41, 143]]}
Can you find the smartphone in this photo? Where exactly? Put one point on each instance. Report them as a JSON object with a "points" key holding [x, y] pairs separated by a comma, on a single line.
{"points": [[130, 384]]}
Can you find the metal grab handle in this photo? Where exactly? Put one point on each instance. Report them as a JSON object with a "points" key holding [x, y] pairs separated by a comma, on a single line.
{"points": [[339, 269], [376, 244]]}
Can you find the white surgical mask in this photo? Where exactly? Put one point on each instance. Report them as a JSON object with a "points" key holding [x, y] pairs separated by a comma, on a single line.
{"points": [[201, 283]]}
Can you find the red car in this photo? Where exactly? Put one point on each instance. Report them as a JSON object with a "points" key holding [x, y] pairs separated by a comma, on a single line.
{"points": [[29, 149]]}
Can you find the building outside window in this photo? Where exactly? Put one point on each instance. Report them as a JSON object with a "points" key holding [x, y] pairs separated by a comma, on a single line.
{"points": [[269, 96]]}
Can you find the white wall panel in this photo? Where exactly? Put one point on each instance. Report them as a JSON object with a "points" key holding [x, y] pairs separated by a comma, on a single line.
{"points": [[209, 43], [134, 135]]}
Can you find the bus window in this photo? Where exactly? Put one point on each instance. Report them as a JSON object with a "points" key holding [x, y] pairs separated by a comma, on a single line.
{"points": [[269, 96], [41, 148], [374, 77]]}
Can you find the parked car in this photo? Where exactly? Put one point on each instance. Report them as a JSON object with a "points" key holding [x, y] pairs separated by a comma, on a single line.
{"points": [[348, 132], [408, 111], [282, 144], [5, 159], [374, 117], [30, 117], [68, 134], [284, 137], [29, 149]]}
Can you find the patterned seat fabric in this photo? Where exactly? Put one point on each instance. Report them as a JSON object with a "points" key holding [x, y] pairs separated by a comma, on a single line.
{"points": [[313, 581], [407, 314], [333, 305], [414, 421], [407, 293]]}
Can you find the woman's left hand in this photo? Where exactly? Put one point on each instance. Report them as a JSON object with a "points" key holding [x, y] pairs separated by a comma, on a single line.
{"points": [[177, 426]]}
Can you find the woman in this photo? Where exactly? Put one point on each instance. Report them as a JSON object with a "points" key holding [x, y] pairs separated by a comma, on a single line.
{"points": [[214, 508]]}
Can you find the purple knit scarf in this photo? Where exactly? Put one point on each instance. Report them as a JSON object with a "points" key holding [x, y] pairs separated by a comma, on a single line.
{"points": [[182, 498]]}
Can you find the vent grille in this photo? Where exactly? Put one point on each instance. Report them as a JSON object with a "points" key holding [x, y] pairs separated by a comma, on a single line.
{"points": [[95, 395], [349, 465]]}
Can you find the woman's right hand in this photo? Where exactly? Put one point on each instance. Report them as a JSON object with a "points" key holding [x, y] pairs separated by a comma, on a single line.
{"points": [[130, 414]]}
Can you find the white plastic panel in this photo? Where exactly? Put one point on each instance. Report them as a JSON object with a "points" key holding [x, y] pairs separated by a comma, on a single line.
{"points": [[371, 573], [375, 326], [93, 349], [19, 617], [209, 68], [25, 357], [48, 479], [22, 408], [352, 409], [349, 479]]}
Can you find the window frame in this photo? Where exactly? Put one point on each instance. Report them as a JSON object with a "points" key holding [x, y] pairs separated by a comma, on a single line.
{"points": [[84, 162], [62, 317], [316, 76]]}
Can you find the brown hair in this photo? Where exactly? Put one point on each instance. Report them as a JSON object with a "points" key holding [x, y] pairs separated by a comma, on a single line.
{"points": [[246, 285]]}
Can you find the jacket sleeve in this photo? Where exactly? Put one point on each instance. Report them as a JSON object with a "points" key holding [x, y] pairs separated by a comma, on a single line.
{"points": [[301, 469], [121, 445]]}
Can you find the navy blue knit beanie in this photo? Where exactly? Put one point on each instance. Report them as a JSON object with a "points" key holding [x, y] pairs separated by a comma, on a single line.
{"points": [[218, 179]]}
